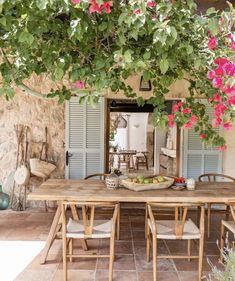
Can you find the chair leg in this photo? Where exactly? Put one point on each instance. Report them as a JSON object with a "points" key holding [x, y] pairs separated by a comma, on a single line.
{"points": [[200, 260], [118, 221], [65, 258], [189, 249], [146, 221], [154, 258], [208, 220], [148, 243], [222, 240], [111, 258], [227, 213], [71, 249], [198, 215]]}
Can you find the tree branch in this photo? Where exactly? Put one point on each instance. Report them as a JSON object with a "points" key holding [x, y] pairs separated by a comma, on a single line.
{"points": [[22, 86], [31, 92]]}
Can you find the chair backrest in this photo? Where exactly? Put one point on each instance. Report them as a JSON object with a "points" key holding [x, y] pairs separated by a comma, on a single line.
{"points": [[214, 177], [88, 214], [101, 176], [180, 212]]}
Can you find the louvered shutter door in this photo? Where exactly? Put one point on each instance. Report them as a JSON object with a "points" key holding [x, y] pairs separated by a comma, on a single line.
{"points": [[84, 138], [197, 157]]}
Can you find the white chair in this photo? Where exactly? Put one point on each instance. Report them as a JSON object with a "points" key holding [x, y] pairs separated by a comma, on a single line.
{"points": [[177, 229], [88, 228]]}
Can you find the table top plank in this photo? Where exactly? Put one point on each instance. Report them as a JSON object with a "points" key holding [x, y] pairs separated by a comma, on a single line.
{"points": [[95, 190]]}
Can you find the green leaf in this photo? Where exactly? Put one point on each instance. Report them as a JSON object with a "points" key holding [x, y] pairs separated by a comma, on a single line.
{"points": [[213, 25], [59, 73], [3, 21], [189, 49], [210, 11], [127, 56], [42, 4], [164, 66], [147, 55], [146, 75], [26, 37]]}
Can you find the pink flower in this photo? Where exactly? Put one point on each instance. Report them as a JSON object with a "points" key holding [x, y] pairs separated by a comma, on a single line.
{"points": [[219, 71], [216, 122], [75, 2], [171, 122], [154, 17], [220, 109], [187, 110], [211, 74], [95, 7], [106, 6], [231, 100], [228, 126], [175, 108], [212, 43], [229, 90], [137, 11], [229, 68], [217, 82], [222, 147], [230, 37], [79, 84], [202, 136], [221, 61], [194, 119], [188, 125], [151, 3], [180, 103], [217, 98]]}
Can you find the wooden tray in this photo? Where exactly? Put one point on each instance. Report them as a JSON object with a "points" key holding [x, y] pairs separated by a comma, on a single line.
{"points": [[148, 186]]}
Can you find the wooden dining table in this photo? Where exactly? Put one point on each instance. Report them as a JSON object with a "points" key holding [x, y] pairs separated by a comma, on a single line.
{"points": [[95, 190]]}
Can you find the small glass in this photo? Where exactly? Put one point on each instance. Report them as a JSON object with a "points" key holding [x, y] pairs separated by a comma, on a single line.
{"points": [[190, 184]]}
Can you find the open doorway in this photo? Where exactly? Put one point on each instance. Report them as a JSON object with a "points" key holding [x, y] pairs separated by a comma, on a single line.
{"points": [[134, 145]]}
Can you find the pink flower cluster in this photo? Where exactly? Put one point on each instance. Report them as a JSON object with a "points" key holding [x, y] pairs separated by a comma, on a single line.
{"points": [[220, 75], [95, 7], [224, 70], [183, 109]]}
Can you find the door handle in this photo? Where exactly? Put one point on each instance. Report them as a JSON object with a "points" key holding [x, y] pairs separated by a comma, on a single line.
{"points": [[67, 157]]}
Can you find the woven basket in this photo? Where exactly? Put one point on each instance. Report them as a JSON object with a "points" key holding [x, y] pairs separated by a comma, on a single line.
{"points": [[41, 168], [112, 181]]}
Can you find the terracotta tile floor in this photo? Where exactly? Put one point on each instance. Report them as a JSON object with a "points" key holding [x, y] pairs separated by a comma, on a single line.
{"points": [[130, 262]]}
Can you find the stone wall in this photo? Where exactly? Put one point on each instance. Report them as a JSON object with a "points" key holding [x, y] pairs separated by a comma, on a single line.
{"points": [[36, 114]]}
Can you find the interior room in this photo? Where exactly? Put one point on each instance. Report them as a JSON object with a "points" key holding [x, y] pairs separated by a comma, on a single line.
{"points": [[135, 145]]}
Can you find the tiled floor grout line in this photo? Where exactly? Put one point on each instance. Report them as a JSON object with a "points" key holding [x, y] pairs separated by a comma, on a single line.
{"points": [[133, 248]]}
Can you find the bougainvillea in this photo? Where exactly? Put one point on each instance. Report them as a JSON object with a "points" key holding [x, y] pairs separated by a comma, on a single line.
{"points": [[98, 44]]}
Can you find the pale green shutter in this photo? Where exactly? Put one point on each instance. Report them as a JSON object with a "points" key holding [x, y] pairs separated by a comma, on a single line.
{"points": [[84, 138], [197, 158]]}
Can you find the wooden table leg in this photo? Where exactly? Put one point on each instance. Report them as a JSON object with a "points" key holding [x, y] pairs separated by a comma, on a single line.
{"points": [[51, 235]]}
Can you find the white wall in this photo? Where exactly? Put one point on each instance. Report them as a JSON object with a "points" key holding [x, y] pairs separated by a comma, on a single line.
{"points": [[138, 131], [133, 137]]}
